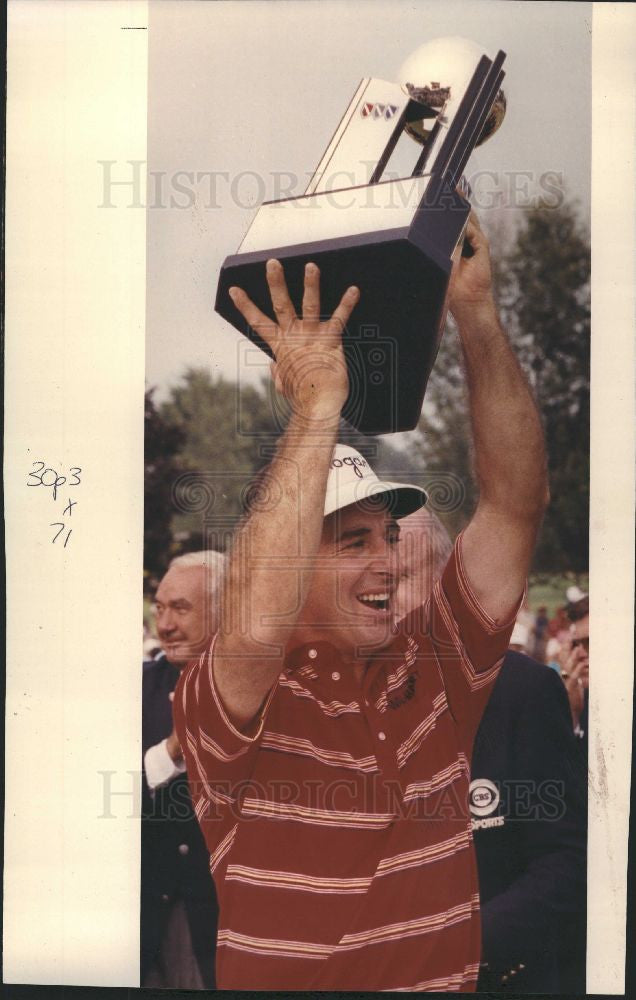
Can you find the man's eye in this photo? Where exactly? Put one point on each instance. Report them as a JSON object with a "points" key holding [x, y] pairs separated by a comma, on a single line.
{"points": [[358, 544], [394, 539]]}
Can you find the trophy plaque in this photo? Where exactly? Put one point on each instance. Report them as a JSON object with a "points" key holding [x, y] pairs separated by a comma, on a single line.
{"points": [[395, 238]]}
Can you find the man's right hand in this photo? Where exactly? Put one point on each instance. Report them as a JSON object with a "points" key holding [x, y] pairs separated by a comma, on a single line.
{"points": [[309, 367]]}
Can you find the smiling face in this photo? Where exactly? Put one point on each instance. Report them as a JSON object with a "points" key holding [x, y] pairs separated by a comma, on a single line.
{"points": [[185, 614], [350, 598]]}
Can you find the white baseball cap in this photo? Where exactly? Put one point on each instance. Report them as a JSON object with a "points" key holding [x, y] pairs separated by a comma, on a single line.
{"points": [[575, 594], [352, 480]]}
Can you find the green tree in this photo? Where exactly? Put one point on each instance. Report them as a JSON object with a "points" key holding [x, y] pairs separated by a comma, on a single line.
{"points": [[444, 446], [162, 444], [546, 296], [228, 433], [542, 283]]}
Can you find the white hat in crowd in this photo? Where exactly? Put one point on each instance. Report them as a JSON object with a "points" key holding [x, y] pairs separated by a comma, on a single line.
{"points": [[352, 480], [574, 595], [520, 635]]}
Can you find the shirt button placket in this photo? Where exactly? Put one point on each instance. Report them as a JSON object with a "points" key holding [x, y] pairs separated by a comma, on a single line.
{"points": [[384, 752]]}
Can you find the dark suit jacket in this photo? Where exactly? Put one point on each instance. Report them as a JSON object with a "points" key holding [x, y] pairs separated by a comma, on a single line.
{"points": [[174, 858], [531, 835]]}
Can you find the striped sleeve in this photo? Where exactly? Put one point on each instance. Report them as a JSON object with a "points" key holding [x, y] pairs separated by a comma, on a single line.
{"points": [[219, 758], [469, 645]]}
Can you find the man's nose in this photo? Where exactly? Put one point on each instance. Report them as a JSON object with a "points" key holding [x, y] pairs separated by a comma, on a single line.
{"points": [[385, 563], [165, 622]]}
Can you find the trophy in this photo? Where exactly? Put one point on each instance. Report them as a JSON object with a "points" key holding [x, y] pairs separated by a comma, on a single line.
{"points": [[396, 238]]}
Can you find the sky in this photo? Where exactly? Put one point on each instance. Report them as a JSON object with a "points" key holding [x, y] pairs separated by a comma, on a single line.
{"points": [[243, 98]]}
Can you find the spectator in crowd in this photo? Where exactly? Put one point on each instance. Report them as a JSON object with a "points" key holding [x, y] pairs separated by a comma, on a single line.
{"points": [[540, 634], [425, 548], [310, 710], [178, 900], [528, 800], [568, 654], [558, 626], [574, 659]]}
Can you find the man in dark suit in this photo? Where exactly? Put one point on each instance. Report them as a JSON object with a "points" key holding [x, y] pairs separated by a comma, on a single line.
{"points": [[178, 899], [528, 804]]}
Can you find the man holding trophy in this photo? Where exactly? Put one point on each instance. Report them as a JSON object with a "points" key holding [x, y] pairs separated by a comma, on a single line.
{"points": [[328, 750]]}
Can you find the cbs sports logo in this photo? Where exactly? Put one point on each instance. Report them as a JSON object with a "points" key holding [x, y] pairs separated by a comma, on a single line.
{"points": [[483, 800]]}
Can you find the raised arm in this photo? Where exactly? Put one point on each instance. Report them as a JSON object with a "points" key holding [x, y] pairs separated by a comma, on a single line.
{"points": [[508, 440], [271, 562]]}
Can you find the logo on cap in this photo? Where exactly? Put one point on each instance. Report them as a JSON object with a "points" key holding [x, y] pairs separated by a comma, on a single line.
{"points": [[355, 461]]}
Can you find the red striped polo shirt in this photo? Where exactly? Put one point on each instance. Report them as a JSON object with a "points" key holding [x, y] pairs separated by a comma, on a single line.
{"points": [[339, 834]]}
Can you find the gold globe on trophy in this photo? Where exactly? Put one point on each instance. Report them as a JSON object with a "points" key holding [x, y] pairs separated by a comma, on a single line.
{"points": [[436, 75]]}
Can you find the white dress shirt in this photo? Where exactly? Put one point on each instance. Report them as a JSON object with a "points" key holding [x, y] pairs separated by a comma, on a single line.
{"points": [[160, 767]]}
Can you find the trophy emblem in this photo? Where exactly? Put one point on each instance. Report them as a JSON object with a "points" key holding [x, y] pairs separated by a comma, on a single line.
{"points": [[395, 238]]}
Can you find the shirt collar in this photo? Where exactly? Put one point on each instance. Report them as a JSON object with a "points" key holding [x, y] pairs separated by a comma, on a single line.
{"points": [[320, 659], [312, 655]]}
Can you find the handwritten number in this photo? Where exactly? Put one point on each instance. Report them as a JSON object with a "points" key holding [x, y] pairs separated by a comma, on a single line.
{"points": [[57, 481], [42, 478], [61, 526], [36, 475], [54, 525]]}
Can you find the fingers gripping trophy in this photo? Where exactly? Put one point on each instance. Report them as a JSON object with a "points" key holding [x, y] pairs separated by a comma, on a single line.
{"points": [[397, 238]]}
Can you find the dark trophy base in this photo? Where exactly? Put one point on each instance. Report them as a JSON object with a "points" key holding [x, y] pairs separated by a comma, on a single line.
{"points": [[394, 333]]}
